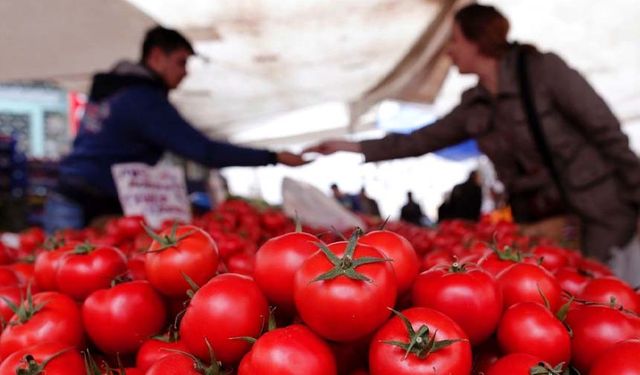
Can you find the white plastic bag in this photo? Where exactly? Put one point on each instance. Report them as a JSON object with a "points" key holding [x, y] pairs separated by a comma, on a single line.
{"points": [[315, 209]]}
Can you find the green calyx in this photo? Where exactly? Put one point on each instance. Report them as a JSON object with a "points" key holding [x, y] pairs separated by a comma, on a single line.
{"points": [[166, 241], [346, 265], [26, 309], [35, 368], [544, 368], [421, 343], [84, 248]]}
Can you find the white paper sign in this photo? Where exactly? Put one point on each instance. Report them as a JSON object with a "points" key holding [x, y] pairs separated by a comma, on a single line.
{"points": [[157, 193]]}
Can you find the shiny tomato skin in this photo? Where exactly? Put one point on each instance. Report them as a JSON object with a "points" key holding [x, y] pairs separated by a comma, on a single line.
{"points": [[608, 288], [195, 254], [58, 320], [405, 260], [385, 358], [514, 364], [529, 327], [470, 296], [277, 261], [290, 350], [621, 358], [62, 360], [524, 282], [344, 309], [153, 350], [80, 274], [232, 305], [120, 319]]}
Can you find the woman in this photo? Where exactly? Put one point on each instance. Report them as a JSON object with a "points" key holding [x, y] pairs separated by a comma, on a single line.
{"points": [[590, 171]]}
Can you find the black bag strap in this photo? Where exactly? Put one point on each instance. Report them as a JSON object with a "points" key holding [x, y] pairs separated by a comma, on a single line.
{"points": [[535, 127]]}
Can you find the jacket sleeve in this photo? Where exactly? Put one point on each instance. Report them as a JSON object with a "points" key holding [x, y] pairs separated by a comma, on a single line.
{"points": [[159, 122], [447, 131], [583, 107]]}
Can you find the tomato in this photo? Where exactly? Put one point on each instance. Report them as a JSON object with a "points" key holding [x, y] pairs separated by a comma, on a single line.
{"points": [[153, 350], [276, 262], [524, 282], [30, 239], [242, 263], [621, 358], [51, 358], [180, 364], [228, 243], [594, 267], [50, 317], [552, 257], [232, 305], [8, 277], [595, 329], [12, 294], [25, 272], [531, 328], [436, 257], [514, 364], [499, 260], [182, 250], [394, 246], [87, 268], [120, 319], [341, 294], [418, 333], [130, 226], [608, 288], [572, 280], [46, 266], [136, 267], [467, 294], [291, 350]]}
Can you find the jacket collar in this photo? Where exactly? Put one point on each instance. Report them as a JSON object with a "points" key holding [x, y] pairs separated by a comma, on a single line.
{"points": [[507, 78]]}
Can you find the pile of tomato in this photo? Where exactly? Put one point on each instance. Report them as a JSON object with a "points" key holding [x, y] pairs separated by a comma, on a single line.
{"points": [[243, 290]]}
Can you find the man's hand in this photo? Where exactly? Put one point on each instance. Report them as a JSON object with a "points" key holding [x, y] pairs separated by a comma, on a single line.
{"points": [[331, 146], [290, 159]]}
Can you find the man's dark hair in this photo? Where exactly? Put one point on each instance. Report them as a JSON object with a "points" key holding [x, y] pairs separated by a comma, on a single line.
{"points": [[168, 40]]}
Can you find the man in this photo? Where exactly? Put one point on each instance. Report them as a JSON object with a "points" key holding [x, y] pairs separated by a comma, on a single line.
{"points": [[130, 119], [465, 201]]}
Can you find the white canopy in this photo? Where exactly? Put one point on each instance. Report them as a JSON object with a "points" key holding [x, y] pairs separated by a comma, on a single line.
{"points": [[289, 71]]}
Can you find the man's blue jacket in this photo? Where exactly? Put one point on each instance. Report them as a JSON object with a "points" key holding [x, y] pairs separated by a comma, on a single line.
{"points": [[129, 119]]}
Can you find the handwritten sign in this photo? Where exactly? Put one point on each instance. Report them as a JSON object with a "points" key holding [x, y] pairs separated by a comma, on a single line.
{"points": [[158, 193]]}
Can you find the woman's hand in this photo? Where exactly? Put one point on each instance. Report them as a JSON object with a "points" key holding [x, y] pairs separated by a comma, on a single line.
{"points": [[331, 146]]}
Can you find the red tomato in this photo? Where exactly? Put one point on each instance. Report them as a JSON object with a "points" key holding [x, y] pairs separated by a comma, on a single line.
{"points": [[436, 257], [46, 266], [394, 246], [25, 272], [232, 305], [242, 263], [14, 295], [153, 350], [340, 298], [621, 358], [418, 328], [134, 312], [594, 267], [86, 269], [52, 317], [277, 260], [610, 288], [514, 364], [291, 350], [595, 329], [467, 294], [523, 282], [130, 226], [30, 239], [179, 364], [136, 266], [8, 277], [187, 250], [530, 328], [572, 280], [50, 358], [499, 260], [553, 257]]}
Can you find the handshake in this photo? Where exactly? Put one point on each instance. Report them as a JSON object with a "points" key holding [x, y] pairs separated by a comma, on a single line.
{"points": [[324, 148]]}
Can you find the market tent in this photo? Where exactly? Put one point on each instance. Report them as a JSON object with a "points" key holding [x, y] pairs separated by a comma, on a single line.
{"points": [[287, 72]]}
